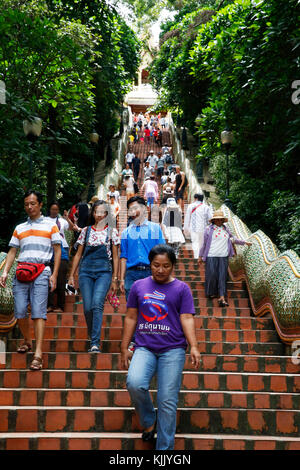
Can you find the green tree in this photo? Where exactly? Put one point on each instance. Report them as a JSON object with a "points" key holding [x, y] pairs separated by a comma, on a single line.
{"points": [[50, 62], [250, 54]]}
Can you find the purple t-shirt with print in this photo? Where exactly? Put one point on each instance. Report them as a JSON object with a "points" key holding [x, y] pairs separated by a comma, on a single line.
{"points": [[159, 308]]}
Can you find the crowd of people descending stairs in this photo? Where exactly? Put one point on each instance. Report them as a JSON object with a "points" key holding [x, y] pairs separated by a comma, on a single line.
{"points": [[243, 394]]}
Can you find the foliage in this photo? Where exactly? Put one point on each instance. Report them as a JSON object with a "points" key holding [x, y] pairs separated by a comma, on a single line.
{"points": [[236, 71], [53, 55], [178, 90], [250, 93]]}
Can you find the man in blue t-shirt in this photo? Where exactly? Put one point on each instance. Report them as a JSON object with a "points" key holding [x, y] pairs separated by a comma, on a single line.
{"points": [[136, 242]]}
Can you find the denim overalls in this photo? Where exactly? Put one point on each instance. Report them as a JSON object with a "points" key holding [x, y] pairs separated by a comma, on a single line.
{"points": [[95, 275]]}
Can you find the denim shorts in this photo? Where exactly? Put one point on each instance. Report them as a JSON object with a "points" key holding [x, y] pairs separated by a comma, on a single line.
{"points": [[34, 293]]}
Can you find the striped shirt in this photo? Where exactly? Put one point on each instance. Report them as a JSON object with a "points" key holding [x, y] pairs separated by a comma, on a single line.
{"points": [[35, 238]]}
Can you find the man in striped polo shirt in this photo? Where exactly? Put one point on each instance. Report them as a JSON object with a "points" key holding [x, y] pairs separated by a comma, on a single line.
{"points": [[36, 239]]}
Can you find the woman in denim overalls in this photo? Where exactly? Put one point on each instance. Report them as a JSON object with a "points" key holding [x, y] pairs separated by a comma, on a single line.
{"points": [[97, 272]]}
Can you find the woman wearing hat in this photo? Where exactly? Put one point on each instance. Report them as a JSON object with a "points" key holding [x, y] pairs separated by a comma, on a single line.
{"points": [[168, 190], [217, 248]]}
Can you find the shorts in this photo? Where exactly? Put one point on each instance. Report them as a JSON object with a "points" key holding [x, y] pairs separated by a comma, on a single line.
{"points": [[150, 201], [34, 293], [179, 194]]}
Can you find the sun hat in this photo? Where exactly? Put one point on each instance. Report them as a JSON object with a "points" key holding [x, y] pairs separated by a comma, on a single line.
{"points": [[94, 199], [168, 190], [218, 215]]}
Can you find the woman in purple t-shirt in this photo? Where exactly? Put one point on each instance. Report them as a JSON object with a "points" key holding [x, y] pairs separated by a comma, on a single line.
{"points": [[160, 310]]}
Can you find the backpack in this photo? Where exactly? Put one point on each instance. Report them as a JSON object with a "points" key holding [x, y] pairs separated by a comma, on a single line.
{"points": [[169, 158]]}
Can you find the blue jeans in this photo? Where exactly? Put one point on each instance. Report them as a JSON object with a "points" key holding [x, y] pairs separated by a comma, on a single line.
{"points": [[168, 367], [94, 290], [133, 275], [35, 293]]}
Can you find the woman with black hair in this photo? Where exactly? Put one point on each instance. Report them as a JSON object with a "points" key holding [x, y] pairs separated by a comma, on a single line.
{"points": [[97, 254], [60, 291], [160, 310]]}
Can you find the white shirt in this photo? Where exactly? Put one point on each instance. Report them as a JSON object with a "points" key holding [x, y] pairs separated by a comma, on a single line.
{"points": [[129, 157], [151, 189], [197, 216], [219, 243], [148, 171], [36, 238], [129, 185], [152, 159], [114, 193]]}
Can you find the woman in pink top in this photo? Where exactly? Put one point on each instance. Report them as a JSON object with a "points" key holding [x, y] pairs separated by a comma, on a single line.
{"points": [[151, 190]]}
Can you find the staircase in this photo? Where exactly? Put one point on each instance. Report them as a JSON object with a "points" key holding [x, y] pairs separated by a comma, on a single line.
{"points": [[245, 396]]}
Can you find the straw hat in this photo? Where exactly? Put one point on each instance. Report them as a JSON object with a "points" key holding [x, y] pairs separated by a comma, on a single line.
{"points": [[94, 199], [219, 215]]}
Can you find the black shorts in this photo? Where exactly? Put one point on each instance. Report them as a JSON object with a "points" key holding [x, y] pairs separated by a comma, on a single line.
{"points": [[179, 194]]}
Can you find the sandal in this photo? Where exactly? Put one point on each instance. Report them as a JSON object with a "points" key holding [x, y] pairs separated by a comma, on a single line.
{"points": [[24, 348], [37, 363]]}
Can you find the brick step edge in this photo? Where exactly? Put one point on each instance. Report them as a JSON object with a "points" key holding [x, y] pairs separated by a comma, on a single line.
{"points": [[132, 441], [210, 362], [120, 397]]}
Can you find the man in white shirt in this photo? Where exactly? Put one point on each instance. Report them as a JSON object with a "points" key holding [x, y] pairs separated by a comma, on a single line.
{"points": [[152, 159], [196, 219], [33, 242], [148, 170], [128, 158]]}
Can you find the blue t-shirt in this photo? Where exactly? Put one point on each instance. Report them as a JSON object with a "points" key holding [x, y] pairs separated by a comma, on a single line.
{"points": [[138, 240], [159, 308]]}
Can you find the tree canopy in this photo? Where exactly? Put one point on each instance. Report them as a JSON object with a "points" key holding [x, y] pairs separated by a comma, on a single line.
{"points": [[69, 63], [234, 68]]}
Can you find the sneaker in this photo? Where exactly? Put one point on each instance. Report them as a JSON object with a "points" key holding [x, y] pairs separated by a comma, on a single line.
{"points": [[94, 349], [131, 347]]}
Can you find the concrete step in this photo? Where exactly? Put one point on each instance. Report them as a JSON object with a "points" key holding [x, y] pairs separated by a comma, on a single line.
{"points": [[111, 397], [118, 441], [110, 419], [200, 380], [112, 361], [202, 334], [211, 322], [113, 346]]}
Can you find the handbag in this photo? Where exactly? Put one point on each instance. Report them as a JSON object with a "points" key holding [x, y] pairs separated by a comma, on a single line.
{"points": [[114, 301], [28, 272]]}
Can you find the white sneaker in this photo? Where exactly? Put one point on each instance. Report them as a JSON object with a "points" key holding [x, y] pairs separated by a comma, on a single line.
{"points": [[94, 349]]}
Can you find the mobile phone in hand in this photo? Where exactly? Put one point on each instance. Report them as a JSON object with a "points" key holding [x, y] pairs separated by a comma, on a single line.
{"points": [[70, 289]]}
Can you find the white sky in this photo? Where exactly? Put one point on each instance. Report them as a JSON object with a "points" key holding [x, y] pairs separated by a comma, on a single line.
{"points": [[124, 10]]}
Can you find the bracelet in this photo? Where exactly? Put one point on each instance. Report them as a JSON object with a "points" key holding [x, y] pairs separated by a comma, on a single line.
{"points": [[115, 279]]}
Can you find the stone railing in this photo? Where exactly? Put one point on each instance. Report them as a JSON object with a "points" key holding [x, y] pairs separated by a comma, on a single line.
{"points": [[272, 278], [181, 158], [7, 319], [113, 176]]}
